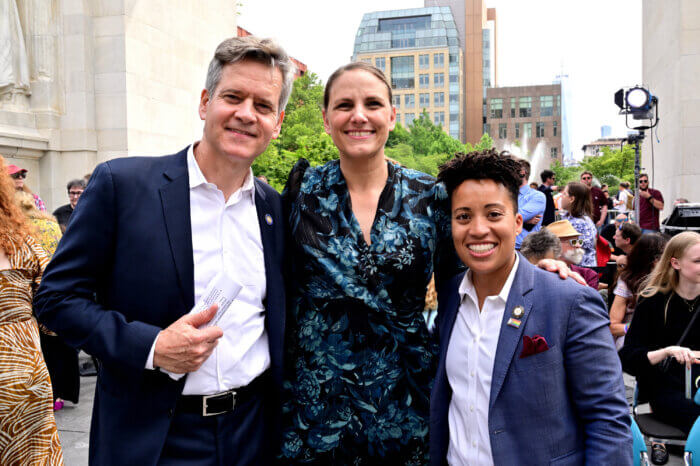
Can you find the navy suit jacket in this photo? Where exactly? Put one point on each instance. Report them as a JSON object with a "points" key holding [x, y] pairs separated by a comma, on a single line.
{"points": [[122, 272], [563, 406]]}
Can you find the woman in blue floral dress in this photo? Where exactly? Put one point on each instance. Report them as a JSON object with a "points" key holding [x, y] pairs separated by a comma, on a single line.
{"points": [[576, 201], [367, 235]]}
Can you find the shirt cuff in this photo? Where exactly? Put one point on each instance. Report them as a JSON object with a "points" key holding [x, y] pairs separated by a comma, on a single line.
{"points": [[149, 360]]}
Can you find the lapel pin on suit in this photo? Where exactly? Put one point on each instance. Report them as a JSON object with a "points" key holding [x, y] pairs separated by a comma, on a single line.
{"points": [[517, 314], [268, 219]]}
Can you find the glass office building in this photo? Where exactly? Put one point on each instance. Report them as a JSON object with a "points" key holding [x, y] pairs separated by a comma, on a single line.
{"points": [[418, 50]]}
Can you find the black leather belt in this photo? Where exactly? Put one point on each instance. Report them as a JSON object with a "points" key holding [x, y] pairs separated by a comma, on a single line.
{"points": [[223, 402]]}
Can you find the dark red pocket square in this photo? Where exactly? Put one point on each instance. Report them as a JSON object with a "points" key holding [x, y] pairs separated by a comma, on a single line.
{"points": [[533, 345]]}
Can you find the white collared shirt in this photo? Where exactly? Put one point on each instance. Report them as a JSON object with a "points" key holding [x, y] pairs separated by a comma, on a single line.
{"points": [[226, 236], [469, 363]]}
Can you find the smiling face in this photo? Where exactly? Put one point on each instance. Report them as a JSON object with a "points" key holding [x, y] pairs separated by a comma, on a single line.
{"points": [[484, 227], [359, 115], [242, 115]]}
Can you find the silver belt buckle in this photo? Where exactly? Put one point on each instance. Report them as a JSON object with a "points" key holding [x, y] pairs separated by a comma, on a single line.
{"points": [[205, 398]]}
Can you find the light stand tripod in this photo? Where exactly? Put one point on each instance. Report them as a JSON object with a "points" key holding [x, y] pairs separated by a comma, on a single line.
{"points": [[636, 139]]}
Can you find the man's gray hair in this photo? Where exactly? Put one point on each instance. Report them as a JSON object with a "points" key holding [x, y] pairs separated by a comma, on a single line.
{"points": [[537, 245], [265, 51]]}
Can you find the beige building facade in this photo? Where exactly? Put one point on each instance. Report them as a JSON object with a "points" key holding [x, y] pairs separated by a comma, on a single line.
{"points": [[671, 71], [418, 50], [106, 78], [526, 116], [476, 26], [430, 91]]}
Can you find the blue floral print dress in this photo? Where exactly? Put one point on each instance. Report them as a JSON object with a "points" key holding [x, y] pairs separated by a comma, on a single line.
{"points": [[360, 360]]}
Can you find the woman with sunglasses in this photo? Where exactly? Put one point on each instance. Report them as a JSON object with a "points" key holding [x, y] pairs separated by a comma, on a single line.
{"points": [[576, 202], [640, 261], [18, 176]]}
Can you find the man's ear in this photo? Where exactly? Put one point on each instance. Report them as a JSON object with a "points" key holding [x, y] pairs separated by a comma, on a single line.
{"points": [[203, 101], [278, 127]]}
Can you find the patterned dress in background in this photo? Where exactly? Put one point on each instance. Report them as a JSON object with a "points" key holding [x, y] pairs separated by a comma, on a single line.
{"points": [[28, 432], [360, 358]]}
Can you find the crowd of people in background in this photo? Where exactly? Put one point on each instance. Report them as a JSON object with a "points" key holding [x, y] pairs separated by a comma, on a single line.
{"points": [[639, 274], [357, 372]]}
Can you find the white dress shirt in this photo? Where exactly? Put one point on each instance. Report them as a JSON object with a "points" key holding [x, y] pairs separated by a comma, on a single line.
{"points": [[226, 236], [469, 363]]}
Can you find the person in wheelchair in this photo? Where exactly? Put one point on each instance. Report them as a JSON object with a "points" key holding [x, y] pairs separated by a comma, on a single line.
{"points": [[664, 337]]}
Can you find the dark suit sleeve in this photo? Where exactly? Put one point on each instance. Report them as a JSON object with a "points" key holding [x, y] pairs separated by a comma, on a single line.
{"points": [[594, 377], [67, 300]]}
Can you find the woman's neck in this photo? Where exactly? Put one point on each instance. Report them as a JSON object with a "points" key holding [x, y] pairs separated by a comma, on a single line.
{"points": [[491, 284], [686, 289], [363, 174]]}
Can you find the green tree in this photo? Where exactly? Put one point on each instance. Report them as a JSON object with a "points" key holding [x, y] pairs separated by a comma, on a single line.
{"points": [[613, 166], [303, 115], [302, 135], [565, 174], [399, 135], [486, 142]]}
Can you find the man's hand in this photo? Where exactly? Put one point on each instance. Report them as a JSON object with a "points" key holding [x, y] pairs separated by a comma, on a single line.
{"points": [[534, 220], [644, 194], [182, 347], [553, 265]]}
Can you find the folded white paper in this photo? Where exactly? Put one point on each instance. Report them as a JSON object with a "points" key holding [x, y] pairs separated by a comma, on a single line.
{"points": [[222, 290]]}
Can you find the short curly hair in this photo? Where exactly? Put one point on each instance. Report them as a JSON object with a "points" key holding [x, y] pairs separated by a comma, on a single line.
{"points": [[502, 168]]}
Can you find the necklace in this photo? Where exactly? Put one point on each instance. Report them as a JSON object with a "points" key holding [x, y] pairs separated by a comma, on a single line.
{"points": [[690, 303]]}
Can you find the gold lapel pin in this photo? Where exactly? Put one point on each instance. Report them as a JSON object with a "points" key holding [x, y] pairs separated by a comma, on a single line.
{"points": [[268, 219], [518, 312]]}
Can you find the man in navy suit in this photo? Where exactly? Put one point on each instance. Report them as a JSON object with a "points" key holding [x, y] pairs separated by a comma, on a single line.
{"points": [[528, 372], [149, 236]]}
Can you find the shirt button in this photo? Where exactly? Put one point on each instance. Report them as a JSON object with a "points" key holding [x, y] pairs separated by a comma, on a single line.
{"points": [[472, 374], [474, 443], [471, 408]]}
